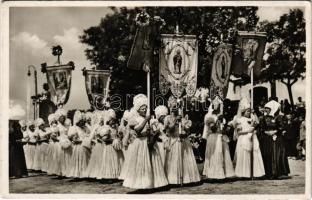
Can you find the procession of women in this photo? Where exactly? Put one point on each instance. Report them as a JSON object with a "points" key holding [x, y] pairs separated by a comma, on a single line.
{"points": [[152, 151]]}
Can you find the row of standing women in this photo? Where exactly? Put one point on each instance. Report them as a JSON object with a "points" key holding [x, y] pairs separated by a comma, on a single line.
{"points": [[147, 152]]}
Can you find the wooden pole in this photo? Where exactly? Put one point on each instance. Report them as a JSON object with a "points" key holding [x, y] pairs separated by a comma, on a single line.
{"points": [[181, 152], [251, 109], [148, 78]]}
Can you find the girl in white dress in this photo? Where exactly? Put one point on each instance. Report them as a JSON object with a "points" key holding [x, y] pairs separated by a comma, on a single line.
{"points": [[64, 143], [54, 147], [180, 164], [123, 131], [96, 158], [112, 157], [145, 168], [32, 144], [42, 145], [246, 141], [25, 140], [79, 160], [128, 137], [218, 163], [161, 112]]}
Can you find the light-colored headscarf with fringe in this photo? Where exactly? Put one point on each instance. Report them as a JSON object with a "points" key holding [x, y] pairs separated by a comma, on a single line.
{"points": [[161, 111], [39, 122]]}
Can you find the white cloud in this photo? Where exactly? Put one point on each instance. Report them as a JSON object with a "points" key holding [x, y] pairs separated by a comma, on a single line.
{"points": [[17, 111], [31, 43]]}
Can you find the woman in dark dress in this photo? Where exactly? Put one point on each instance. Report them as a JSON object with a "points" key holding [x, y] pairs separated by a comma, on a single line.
{"points": [[272, 142], [17, 163]]}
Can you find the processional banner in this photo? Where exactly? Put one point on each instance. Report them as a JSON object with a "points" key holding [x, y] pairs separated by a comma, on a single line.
{"points": [[178, 64], [221, 68], [59, 81], [252, 46], [97, 86]]}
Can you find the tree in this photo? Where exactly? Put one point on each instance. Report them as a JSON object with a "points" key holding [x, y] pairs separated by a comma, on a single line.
{"points": [[285, 56], [110, 42]]}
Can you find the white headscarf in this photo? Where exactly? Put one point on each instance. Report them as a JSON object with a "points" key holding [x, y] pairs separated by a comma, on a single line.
{"points": [[51, 118], [77, 117], [139, 100], [22, 123], [39, 122], [274, 106], [161, 111], [60, 112]]}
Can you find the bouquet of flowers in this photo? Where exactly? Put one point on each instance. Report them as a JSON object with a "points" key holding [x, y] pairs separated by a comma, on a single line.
{"points": [[144, 19]]}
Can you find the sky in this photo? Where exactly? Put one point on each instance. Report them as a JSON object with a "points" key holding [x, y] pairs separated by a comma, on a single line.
{"points": [[33, 31]]}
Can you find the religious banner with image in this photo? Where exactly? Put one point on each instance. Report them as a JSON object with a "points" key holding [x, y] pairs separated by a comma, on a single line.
{"points": [[252, 46], [97, 86], [59, 81], [221, 68], [178, 64]]}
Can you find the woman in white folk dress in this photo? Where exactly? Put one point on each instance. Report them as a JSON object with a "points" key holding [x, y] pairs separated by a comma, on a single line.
{"points": [[25, 140], [246, 141], [54, 146], [65, 144], [144, 170], [123, 131], [112, 157], [42, 145], [32, 143], [128, 137], [218, 163], [96, 158], [161, 112], [180, 164], [79, 160]]}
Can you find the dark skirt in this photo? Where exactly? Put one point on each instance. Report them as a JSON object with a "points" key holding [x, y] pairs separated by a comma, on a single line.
{"points": [[17, 163], [291, 147], [274, 156]]}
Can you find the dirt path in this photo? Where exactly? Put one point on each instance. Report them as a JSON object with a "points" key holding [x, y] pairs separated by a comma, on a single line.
{"points": [[40, 183]]}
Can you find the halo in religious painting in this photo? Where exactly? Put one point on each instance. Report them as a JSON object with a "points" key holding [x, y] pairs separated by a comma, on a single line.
{"points": [[97, 86]]}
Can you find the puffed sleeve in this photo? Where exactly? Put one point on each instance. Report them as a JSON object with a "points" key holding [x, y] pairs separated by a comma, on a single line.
{"points": [[206, 127], [133, 122]]}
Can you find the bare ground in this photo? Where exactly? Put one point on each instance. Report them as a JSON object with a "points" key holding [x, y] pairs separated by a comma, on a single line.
{"points": [[43, 184]]}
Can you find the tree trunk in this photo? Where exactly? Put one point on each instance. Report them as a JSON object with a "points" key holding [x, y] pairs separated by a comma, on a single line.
{"points": [[290, 94], [273, 88]]}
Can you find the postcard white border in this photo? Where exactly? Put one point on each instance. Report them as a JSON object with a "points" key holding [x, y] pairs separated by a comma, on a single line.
{"points": [[4, 93]]}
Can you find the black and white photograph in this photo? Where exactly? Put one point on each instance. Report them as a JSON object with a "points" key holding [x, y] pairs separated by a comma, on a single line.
{"points": [[159, 99]]}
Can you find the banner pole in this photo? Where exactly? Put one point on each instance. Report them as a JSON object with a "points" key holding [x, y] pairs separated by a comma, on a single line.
{"points": [[148, 78], [251, 109]]}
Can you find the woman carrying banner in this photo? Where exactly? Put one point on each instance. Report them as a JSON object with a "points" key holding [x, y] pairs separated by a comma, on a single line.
{"points": [[145, 169], [42, 145], [218, 163], [78, 134], [246, 136], [180, 164], [274, 154]]}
